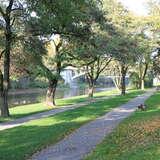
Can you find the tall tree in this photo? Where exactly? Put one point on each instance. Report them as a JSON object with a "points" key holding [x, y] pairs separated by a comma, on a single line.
{"points": [[52, 65], [144, 49], [101, 59], [153, 25], [123, 50], [71, 20], [40, 19], [94, 70], [122, 44], [8, 11], [93, 57]]}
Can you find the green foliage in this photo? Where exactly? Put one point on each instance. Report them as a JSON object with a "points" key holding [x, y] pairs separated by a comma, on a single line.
{"points": [[134, 80], [63, 16], [154, 16], [121, 43], [70, 20], [38, 84], [123, 49]]}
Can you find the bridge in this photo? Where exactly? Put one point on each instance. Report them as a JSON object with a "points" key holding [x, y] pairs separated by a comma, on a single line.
{"points": [[71, 73]]}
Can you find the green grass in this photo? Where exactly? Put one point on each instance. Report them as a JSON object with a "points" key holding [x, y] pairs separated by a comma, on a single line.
{"points": [[136, 138], [25, 110], [21, 142]]}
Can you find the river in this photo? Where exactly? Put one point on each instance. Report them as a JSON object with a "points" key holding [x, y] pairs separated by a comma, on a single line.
{"points": [[28, 96]]}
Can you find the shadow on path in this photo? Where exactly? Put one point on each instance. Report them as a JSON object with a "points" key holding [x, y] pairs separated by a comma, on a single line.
{"points": [[85, 139]]}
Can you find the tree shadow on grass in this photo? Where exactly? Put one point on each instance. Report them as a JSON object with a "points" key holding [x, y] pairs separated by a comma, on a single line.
{"points": [[21, 142]]}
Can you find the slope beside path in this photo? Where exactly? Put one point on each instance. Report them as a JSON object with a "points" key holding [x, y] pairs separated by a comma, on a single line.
{"points": [[21, 121], [78, 144]]}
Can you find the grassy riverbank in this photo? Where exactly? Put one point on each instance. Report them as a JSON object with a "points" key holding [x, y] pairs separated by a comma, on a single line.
{"points": [[137, 138], [21, 142], [25, 110]]}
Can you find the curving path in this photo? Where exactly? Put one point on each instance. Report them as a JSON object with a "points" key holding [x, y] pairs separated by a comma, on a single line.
{"points": [[77, 145]]}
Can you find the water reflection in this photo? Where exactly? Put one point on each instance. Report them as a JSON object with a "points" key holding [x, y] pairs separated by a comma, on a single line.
{"points": [[26, 97]]}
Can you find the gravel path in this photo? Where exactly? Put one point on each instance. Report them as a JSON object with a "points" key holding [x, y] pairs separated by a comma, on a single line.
{"points": [[81, 142], [21, 121]]}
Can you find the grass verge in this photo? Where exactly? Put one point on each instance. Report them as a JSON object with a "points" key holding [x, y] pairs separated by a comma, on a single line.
{"points": [[26, 110], [21, 142], [136, 138]]}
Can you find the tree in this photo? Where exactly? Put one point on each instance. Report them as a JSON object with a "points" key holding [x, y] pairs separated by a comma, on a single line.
{"points": [[53, 64], [70, 18], [100, 62], [123, 43], [123, 50], [8, 14], [145, 48], [153, 26], [49, 63], [94, 70], [156, 61], [74, 22], [114, 70], [92, 56]]}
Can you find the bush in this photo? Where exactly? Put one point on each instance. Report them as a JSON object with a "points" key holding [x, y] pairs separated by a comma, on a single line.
{"points": [[38, 84]]}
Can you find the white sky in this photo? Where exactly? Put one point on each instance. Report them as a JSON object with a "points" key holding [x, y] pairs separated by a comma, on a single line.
{"points": [[137, 6]]}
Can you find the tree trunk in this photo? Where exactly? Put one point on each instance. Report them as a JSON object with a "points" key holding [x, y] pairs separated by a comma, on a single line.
{"points": [[1, 92], [142, 84], [50, 96], [142, 76], [123, 80], [91, 83], [91, 90], [8, 41], [123, 85]]}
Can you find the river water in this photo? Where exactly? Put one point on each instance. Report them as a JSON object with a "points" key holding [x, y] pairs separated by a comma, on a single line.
{"points": [[29, 96]]}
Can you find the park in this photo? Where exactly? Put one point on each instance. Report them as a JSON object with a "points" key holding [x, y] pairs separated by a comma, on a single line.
{"points": [[79, 80]]}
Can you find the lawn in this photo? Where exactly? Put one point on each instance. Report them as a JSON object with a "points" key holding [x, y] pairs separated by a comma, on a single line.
{"points": [[21, 142], [25, 110], [136, 138]]}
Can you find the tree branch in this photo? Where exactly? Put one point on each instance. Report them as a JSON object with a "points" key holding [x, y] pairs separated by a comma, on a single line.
{"points": [[145, 70], [35, 32], [17, 9], [13, 21], [1, 54], [2, 12], [106, 65], [9, 8]]}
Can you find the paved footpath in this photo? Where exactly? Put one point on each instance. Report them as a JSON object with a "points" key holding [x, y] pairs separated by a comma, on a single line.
{"points": [[81, 142], [21, 121]]}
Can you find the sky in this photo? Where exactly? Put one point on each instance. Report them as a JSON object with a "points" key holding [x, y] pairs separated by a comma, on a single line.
{"points": [[137, 6]]}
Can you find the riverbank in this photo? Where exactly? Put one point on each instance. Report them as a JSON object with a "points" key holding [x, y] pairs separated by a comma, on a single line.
{"points": [[30, 96], [26, 91], [26, 110]]}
